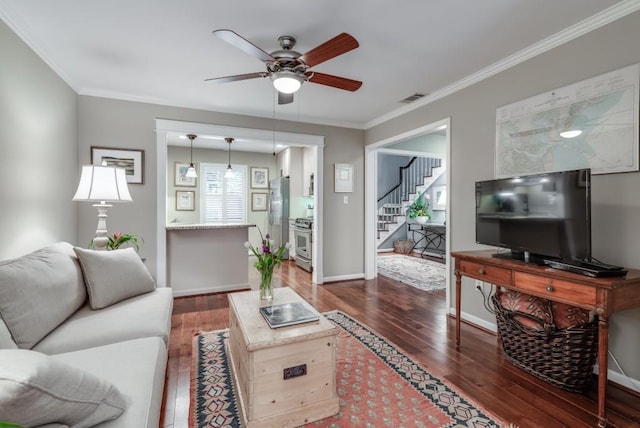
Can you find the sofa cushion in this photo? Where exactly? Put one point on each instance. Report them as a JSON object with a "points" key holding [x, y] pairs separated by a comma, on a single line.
{"points": [[39, 291], [141, 316], [5, 337], [113, 276], [36, 389], [136, 368]]}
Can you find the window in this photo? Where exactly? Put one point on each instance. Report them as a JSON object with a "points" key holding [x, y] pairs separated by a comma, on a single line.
{"points": [[224, 200]]}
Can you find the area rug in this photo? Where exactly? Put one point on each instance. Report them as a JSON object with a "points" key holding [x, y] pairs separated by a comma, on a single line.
{"points": [[416, 272], [377, 384]]}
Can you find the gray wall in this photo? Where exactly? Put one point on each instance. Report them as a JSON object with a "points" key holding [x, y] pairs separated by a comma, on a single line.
{"points": [[182, 154], [616, 205], [388, 171], [115, 123], [429, 143], [38, 151]]}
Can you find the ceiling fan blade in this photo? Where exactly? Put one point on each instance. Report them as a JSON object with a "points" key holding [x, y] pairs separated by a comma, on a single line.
{"points": [[237, 77], [284, 98], [243, 44], [334, 81], [342, 43]]}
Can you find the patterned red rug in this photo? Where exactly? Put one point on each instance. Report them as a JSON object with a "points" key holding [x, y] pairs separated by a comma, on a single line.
{"points": [[378, 386]]}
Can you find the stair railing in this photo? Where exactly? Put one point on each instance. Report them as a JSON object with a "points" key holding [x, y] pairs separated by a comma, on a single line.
{"points": [[410, 176]]}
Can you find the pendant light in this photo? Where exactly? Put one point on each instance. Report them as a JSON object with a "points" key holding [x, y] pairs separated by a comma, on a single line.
{"points": [[229, 172], [191, 171]]}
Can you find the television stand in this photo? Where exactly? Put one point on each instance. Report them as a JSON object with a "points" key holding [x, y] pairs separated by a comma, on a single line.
{"points": [[604, 295]]}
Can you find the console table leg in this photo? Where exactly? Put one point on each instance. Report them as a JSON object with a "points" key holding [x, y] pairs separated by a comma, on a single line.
{"points": [[458, 301], [603, 358]]}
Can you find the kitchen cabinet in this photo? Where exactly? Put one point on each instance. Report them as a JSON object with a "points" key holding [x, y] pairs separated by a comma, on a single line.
{"points": [[289, 163], [308, 170]]}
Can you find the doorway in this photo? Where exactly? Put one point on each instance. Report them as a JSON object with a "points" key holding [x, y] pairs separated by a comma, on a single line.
{"points": [[165, 127], [371, 192]]}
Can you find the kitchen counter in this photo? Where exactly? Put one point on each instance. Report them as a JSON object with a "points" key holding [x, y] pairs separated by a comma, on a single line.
{"points": [[205, 226], [207, 258]]}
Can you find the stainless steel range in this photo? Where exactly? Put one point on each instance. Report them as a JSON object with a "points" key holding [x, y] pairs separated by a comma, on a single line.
{"points": [[303, 235]]}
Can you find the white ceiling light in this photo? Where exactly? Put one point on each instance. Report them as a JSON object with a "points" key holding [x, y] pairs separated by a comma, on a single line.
{"points": [[571, 133], [286, 81]]}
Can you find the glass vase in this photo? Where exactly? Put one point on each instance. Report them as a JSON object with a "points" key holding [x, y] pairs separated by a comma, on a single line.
{"points": [[266, 285]]}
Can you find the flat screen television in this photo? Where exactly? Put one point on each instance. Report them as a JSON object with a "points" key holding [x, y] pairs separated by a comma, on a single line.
{"points": [[537, 217]]}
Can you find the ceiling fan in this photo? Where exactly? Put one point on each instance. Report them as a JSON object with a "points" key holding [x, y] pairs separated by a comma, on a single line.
{"points": [[287, 68]]}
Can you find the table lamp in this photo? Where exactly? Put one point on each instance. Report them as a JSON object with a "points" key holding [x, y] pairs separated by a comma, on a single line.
{"points": [[102, 184]]}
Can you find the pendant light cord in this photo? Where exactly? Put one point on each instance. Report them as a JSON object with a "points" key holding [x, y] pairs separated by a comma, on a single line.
{"points": [[273, 122]]}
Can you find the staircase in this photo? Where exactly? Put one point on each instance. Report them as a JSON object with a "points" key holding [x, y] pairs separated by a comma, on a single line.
{"points": [[414, 178]]}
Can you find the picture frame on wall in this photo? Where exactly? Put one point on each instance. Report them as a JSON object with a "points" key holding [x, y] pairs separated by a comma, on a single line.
{"points": [[131, 160], [180, 176], [258, 201], [439, 198], [343, 177], [185, 200], [259, 177]]}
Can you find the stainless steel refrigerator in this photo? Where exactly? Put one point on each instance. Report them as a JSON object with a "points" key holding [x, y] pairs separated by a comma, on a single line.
{"points": [[279, 212]]}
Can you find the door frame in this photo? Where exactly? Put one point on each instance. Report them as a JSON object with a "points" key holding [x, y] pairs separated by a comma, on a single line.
{"points": [[371, 190], [165, 126]]}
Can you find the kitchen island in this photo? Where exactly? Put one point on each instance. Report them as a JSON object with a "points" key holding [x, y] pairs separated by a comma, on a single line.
{"points": [[207, 258]]}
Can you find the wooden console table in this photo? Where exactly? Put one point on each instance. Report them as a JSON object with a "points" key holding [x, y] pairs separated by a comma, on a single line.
{"points": [[605, 296]]}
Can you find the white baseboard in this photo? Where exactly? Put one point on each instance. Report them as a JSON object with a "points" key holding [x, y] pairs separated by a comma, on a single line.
{"points": [[613, 376], [487, 325], [196, 291], [343, 277], [621, 379]]}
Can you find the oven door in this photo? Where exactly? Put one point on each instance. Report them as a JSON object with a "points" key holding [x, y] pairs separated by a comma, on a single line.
{"points": [[303, 243]]}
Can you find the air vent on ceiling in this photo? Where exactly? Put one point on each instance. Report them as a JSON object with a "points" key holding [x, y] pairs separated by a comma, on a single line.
{"points": [[412, 98]]}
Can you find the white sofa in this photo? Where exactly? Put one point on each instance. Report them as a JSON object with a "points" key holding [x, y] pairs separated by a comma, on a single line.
{"points": [[95, 326]]}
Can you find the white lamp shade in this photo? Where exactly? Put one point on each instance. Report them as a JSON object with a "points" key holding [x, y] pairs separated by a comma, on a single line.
{"points": [[191, 172], [102, 183], [286, 82]]}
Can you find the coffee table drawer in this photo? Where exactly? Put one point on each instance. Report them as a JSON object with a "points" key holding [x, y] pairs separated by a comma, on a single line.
{"points": [[556, 289], [487, 273]]}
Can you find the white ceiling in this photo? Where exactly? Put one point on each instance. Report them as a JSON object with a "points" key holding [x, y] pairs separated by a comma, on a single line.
{"points": [[161, 51]]}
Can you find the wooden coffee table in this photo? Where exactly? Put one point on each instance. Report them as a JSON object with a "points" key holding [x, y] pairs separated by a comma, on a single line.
{"points": [[285, 376]]}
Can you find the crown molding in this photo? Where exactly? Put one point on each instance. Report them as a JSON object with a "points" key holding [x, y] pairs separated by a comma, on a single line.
{"points": [[17, 27], [594, 22]]}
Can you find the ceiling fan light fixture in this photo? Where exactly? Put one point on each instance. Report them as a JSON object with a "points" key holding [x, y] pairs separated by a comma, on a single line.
{"points": [[286, 81]]}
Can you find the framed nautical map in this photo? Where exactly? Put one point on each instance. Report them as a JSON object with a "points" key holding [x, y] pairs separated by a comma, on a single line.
{"points": [[589, 124]]}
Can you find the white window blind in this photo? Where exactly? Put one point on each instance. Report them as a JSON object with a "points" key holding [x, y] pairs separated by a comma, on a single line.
{"points": [[224, 200]]}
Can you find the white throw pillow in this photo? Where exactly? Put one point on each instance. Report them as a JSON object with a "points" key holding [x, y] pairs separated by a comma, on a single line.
{"points": [[37, 390], [113, 276]]}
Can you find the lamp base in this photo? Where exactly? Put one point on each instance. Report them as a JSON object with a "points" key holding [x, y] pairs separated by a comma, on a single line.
{"points": [[100, 241]]}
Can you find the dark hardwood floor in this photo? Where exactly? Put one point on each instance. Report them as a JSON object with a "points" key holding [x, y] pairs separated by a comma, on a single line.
{"points": [[417, 322]]}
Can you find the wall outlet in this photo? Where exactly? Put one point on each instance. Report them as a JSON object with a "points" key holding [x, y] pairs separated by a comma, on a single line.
{"points": [[479, 285]]}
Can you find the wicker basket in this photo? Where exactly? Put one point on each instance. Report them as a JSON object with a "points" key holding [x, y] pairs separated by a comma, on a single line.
{"points": [[403, 247], [563, 357]]}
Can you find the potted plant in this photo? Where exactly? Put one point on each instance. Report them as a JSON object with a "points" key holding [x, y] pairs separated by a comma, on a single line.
{"points": [[419, 209], [267, 258], [119, 239]]}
